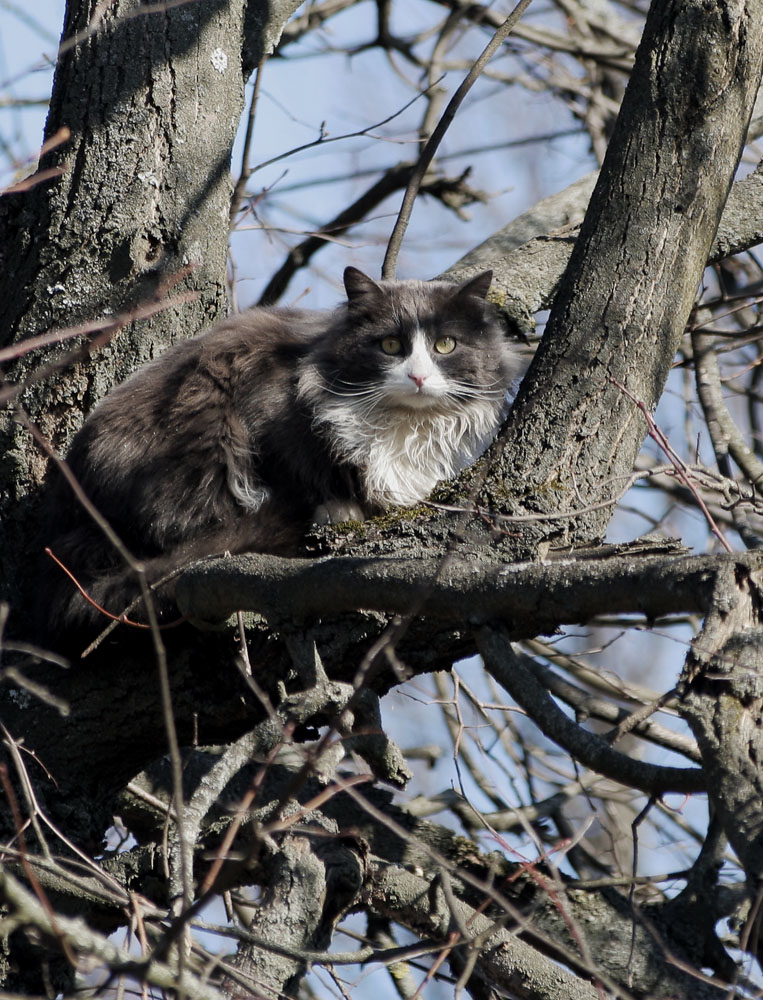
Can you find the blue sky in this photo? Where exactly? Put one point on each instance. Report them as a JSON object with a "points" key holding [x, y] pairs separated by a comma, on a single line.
{"points": [[309, 91]]}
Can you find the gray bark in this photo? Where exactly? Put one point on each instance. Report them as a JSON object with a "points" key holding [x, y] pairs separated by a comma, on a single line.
{"points": [[530, 255], [636, 264], [152, 102], [531, 597], [23, 906], [722, 700], [310, 888]]}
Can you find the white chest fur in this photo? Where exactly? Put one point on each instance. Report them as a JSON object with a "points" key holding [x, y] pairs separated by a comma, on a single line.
{"points": [[402, 453]]}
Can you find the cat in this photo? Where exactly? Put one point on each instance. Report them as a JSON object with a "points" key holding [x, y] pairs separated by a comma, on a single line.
{"points": [[236, 440]]}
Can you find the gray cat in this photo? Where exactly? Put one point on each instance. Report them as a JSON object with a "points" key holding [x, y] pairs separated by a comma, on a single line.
{"points": [[237, 439]]}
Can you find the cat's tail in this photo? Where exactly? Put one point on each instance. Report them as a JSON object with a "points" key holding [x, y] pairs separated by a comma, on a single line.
{"points": [[83, 588], [76, 604]]}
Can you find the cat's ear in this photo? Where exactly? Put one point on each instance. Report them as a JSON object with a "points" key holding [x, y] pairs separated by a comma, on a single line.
{"points": [[479, 285], [357, 285]]}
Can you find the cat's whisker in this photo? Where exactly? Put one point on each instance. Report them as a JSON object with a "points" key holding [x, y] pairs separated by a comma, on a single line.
{"points": [[458, 393], [345, 393], [358, 389]]}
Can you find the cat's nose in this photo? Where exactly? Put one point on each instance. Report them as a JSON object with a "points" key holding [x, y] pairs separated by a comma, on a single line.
{"points": [[418, 379]]}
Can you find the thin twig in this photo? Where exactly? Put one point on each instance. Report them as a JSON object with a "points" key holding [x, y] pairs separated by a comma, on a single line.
{"points": [[429, 150], [25, 864], [323, 139], [57, 139], [680, 466], [120, 619], [246, 169]]}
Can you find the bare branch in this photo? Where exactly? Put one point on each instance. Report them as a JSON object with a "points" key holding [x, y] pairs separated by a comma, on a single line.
{"points": [[567, 590], [429, 150], [585, 746]]}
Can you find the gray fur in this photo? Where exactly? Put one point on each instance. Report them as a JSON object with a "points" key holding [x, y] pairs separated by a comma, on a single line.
{"points": [[234, 440]]}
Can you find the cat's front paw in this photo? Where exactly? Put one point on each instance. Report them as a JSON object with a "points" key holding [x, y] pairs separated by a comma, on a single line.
{"points": [[334, 511]]}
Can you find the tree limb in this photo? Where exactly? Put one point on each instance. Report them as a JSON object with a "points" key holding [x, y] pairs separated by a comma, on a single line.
{"points": [[27, 911], [529, 597], [588, 748], [722, 700]]}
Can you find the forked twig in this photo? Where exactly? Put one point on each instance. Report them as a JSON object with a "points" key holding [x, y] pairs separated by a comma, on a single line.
{"points": [[678, 463], [429, 150]]}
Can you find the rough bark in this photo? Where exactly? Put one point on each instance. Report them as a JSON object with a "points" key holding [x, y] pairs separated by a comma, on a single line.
{"points": [[152, 102], [636, 264], [723, 702], [411, 862], [131, 207], [310, 888], [530, 255], [530, 597]]}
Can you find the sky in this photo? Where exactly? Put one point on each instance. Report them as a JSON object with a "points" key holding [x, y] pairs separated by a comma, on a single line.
{"points": [[307, 94]]}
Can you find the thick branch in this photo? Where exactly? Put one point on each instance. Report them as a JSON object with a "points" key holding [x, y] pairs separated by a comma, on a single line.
{"points": [[723, 702], [586, 747], [529, 256], [510, 964], [531, 598], [79, 940], [313, 881], [590, 706], [400, 844], [636, 264]]}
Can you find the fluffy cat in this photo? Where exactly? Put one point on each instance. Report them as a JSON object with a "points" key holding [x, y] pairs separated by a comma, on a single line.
{"points": [[236, 439]]}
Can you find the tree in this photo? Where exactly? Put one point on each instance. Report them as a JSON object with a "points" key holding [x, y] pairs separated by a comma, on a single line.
{"points": [[244, 764]]}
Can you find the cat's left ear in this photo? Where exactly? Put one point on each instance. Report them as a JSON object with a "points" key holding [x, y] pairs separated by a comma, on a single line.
{"points": [[357, 285], [479, 285]]}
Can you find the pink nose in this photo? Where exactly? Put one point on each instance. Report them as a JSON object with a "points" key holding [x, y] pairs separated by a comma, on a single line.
{"points": [[418, 379]]}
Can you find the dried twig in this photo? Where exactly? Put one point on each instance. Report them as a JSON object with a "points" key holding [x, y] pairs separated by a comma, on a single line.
{"points": [[429, 150]]}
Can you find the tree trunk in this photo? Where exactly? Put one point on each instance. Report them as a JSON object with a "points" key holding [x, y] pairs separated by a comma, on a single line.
{"points": [[574, 432], [152, 102], [145, 193]]}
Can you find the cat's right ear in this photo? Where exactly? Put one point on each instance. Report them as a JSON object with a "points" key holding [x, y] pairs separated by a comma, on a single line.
{"points": [[359, 285], [479, 285]]}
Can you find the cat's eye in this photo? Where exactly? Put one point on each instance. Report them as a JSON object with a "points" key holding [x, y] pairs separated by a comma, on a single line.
{"points": [[392, 345], [445, 345]]}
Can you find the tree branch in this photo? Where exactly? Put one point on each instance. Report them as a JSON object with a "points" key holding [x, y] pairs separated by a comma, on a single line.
{"points": [[27, 911], [588, 748], [722, 702], [529, 597], [631, 281], [429, 150], [530, 255]]}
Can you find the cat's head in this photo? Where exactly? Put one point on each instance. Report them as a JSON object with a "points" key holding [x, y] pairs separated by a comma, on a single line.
{"points": [[417, 345]]}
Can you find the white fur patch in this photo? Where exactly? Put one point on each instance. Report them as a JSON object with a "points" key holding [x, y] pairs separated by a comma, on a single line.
{"points": [[250, 497], [415, 380], [250, 493], [403, 452]]}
